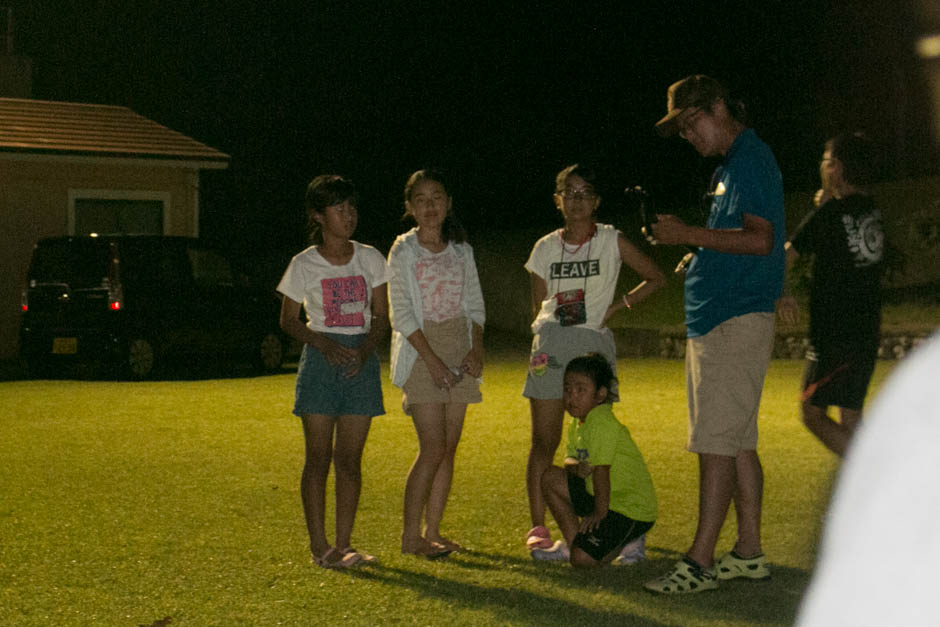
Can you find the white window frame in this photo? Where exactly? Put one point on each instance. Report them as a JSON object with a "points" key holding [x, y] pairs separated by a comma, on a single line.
{"points": [[116, 194]]}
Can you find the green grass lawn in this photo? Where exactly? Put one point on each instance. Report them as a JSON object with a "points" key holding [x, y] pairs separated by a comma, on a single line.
{"points": [[125, 503]]}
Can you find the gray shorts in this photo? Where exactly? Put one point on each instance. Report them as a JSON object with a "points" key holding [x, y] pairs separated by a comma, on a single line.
{"points": [[553, 347], [725, 371]]}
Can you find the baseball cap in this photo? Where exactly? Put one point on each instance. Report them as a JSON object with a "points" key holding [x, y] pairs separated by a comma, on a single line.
{"points": [[696, 91]]}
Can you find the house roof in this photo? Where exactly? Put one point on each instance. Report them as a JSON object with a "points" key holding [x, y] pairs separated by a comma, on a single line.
{"points": [[41, 127]]}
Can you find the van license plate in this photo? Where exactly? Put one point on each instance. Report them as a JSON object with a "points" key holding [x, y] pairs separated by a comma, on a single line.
{"points": [[65, 345]]}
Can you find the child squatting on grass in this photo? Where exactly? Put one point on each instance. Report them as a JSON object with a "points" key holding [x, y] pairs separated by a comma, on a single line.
{"points": [[341, 284], [603, 498]]}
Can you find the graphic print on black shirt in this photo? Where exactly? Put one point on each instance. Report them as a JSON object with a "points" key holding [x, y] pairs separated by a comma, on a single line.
{"points": [[865, 237]]}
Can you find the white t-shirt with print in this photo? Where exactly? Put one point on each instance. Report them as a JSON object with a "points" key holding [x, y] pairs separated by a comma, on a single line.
{"points": [[592, 266], [337, 299], [440, 277]]}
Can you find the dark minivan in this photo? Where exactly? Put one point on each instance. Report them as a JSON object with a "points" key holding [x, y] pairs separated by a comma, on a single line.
{"points": [[138, 302]]}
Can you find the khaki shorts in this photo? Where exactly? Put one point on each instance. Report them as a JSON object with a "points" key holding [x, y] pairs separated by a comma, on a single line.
{"points": [[450, 341], [725, 371]]}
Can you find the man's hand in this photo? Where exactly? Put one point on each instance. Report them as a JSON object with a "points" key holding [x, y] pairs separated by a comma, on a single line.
{"points": [[788, 310], [669, 229]]}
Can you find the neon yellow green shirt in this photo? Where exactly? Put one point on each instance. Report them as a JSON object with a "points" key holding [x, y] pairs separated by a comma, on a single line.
{"points": [[602, 440]]}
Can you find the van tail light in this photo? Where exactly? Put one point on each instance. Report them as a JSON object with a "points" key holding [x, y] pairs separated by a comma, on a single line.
{"points": [[24, 302], [115, 296], [115, 291]]}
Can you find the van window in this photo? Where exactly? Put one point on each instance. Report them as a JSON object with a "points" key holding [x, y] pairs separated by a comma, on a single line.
{"points": [[118, 216], [210, 268], [78, 264], [153, 264]]}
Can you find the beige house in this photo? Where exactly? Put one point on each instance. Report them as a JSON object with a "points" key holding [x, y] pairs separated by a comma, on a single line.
{"points": [[72, 169]]}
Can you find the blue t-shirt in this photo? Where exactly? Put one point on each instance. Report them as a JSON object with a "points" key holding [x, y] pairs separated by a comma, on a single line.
{"points": [[719, 286]]}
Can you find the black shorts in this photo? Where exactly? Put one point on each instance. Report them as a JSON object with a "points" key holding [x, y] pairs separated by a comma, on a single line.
{"points": [[612, 534], [839, 374]]}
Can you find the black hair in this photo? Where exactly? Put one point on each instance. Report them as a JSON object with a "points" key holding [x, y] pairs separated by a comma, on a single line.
{"points": [[595, 366], [736, 107], [451, 230], [325, 191], [576, 169], [857, 154], [738, 110]]}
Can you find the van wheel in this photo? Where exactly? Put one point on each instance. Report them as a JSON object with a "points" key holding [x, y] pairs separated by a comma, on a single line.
{"points": [[140, 358], [270, 352]]}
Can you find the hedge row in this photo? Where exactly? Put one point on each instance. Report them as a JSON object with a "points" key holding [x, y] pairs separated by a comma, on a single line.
{"points": [[795, 346]]}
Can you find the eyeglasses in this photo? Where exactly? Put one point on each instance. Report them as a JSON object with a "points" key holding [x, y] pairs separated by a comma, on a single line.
{"points": [[689, 123], [577, 194]]}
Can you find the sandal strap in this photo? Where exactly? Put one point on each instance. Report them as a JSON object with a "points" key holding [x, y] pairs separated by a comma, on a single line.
{"points": [[349, 559], [364, 557], [325, 561], [686, 576]]}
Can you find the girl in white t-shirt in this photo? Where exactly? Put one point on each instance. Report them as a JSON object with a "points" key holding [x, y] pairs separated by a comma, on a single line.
{"points": [[437, 318], [341, 284], [573, 274]]}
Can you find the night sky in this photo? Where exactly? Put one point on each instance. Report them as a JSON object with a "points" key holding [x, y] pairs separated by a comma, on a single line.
{"points": [[499, 96]]}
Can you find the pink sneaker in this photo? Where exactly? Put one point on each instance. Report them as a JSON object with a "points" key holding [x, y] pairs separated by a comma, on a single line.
{"points": [[538, 538]]}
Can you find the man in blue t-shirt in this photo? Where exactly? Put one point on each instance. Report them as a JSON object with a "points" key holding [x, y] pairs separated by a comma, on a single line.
{"points": [[732, 284]]}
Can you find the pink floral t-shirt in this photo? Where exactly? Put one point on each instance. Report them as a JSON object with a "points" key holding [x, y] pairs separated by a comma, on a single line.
{"points": [[440, 277]]}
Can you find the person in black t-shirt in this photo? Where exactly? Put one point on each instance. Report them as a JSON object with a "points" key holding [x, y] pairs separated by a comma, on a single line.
{"points": [[845, 235]]}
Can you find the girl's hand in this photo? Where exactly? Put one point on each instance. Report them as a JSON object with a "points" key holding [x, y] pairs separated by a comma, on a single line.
{"points": [[584, 469], [362, 354], [591, 522], [444, 378], [617, 305], [337, 355], [472, 364]]}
